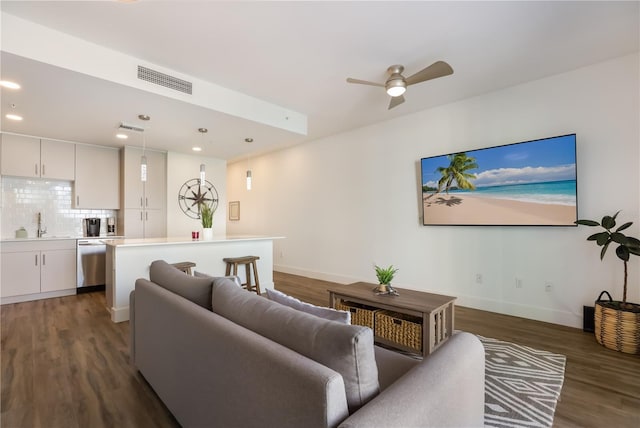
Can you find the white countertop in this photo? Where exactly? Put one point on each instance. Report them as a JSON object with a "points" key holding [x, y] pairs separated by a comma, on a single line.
{"points": [[59, 237], [141, 242]]}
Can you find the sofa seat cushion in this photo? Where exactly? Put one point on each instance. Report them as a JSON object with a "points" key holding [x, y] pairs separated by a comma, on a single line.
{"points": [[197, 290], [327, 313], [347, 349]]}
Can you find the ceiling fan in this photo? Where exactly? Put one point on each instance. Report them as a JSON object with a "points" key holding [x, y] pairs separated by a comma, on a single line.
{"points": [[396, 84]]}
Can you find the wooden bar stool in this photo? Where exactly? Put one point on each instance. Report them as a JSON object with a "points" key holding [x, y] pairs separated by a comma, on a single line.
{"points": [[248, 262], [184, 266]]}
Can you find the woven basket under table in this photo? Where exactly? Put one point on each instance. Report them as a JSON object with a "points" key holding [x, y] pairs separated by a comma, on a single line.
{"points": [[405, 330], [360, 314]]}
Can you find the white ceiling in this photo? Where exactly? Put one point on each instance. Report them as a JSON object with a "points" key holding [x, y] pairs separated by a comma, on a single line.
{"points": [[297, 55]]}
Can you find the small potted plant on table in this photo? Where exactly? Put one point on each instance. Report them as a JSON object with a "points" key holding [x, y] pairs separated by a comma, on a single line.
{"points": [[617, 323], [385, 276]]}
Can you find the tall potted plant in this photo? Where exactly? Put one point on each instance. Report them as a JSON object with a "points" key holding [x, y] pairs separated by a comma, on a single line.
{"points": [[206, 217], [617, 323]]}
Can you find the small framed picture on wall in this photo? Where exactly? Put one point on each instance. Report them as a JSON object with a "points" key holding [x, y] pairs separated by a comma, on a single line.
{"points": [[234, 210]]}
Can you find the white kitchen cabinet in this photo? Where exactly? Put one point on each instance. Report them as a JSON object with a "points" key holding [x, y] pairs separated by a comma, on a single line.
{"points": [[155, 224], [24, 156], [20, 273], [34, 268], [57, 270], [139, 223], [144, 203], [140, 194], [57, 160], [97, 180]]}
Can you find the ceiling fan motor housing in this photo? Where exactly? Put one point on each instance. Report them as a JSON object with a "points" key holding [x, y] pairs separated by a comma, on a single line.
{"points": [[395, 84]]}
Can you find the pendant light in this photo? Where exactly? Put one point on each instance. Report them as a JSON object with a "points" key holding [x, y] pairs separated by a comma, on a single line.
{"points": [[143, 162], [143, 159], [202, 131], [248, 140]]}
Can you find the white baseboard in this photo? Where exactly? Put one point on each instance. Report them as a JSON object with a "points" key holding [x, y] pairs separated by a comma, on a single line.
{"points": [[37, 296], [120, 314], [316, 275], [565, 318]]}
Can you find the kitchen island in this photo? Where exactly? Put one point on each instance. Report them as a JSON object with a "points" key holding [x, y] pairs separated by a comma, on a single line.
{"points": [[129, 259]]}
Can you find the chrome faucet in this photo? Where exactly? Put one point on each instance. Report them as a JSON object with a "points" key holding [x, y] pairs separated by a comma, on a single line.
{"points": [[41, 231]]}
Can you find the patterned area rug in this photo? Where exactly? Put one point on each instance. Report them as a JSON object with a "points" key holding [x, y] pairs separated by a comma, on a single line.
{"points": [[522, 384]]}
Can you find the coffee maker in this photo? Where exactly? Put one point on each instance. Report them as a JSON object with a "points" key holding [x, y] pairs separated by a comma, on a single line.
{"points": [[92, 226], [111, 226]]}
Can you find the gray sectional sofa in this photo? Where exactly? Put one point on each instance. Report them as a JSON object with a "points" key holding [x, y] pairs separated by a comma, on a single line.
{"points": [[219, 356]]}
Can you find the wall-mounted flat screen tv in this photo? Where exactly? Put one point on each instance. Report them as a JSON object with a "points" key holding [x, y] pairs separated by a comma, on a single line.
{"points": [[522, 184]]}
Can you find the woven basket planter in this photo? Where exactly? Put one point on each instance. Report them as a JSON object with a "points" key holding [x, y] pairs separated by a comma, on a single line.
{"points": [[618, 329]]}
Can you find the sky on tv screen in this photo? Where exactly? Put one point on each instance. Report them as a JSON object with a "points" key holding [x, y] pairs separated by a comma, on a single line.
{"points": [[551, 159]]}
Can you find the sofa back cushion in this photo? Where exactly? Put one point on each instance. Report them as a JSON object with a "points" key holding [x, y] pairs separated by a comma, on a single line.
{"points": [[320, 311], [234, 278], [347, 349], [198, 290]]}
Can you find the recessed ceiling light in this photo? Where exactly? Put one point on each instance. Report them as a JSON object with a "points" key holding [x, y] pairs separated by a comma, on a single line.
{"points": [[9, 84], [122, 136], [196, 149], [144, 117], [13, 117], [249, 140]]}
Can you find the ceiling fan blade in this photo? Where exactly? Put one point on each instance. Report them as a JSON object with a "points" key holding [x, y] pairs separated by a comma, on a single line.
{"points": [[435, 70], [364, 82], [395, 101]]}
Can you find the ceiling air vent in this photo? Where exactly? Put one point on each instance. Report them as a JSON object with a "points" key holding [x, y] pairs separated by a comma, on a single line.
{"points": [[128, 127], [165, 80]]}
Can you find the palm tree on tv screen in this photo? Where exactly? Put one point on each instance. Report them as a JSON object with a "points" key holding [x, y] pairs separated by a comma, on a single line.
{"points": [[459, 164]]}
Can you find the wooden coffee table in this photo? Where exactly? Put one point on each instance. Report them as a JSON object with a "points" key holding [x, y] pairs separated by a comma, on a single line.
{"points": [[435, 311]]}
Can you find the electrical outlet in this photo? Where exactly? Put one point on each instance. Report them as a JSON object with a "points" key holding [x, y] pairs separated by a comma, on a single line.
{"points": [[518, 282], [478, 278], [548, 287]]}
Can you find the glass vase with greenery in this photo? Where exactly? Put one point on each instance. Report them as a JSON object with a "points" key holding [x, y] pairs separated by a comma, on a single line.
{"points": [[206, 216]]}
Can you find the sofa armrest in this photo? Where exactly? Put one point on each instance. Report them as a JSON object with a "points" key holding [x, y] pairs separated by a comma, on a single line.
{"points": [[444, 390]]}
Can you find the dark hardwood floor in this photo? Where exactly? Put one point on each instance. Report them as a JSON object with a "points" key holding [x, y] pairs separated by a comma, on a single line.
{"points": [[65, 364]]}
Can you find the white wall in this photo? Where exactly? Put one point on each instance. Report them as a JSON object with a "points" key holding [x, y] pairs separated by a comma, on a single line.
{"points": [[181, 168], [350, 200]]}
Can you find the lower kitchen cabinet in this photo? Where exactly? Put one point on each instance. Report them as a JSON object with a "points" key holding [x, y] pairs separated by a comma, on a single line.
{"points": [[37, 269], [57, 270], [20, 273], [148, 223]]}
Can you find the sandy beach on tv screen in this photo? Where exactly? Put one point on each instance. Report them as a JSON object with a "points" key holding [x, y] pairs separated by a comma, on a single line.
{"points": [[464, 209]]}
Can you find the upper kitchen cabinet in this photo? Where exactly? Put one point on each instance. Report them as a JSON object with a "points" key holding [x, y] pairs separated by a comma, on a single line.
{"points": [[148, 194], [97, 180], [24, 156]]}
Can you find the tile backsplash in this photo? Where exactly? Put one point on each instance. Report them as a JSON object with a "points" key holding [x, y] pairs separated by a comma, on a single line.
{"points": [[24, 198]]}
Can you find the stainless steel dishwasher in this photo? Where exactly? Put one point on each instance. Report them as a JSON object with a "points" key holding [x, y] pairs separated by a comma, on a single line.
{"points": [[91, 263]]}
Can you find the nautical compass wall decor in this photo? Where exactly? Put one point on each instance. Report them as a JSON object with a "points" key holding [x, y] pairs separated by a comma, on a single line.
{"points": [[193, 193]]}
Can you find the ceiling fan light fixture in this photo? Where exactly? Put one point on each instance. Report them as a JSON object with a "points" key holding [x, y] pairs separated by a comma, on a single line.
{"points": [[396, 87]]}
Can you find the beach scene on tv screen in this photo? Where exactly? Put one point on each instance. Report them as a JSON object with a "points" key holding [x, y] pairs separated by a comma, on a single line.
{"points": [[529, 183]]}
